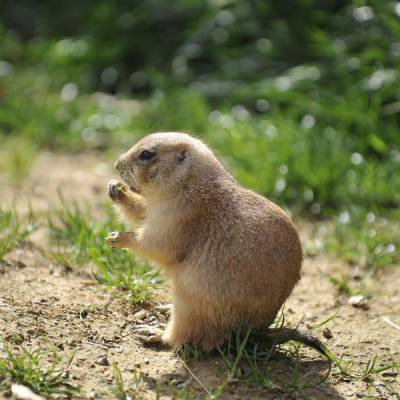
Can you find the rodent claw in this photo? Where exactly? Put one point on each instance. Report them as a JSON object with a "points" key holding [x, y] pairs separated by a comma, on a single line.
{"points": [[149, 335], [148, 331], [112, 238], [154, 339]]}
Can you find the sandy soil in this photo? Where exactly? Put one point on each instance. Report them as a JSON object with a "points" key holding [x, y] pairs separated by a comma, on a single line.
{"points": [[68, 311]]}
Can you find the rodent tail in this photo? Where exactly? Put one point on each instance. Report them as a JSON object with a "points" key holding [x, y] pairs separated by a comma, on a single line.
{"points": [[277, 336]]}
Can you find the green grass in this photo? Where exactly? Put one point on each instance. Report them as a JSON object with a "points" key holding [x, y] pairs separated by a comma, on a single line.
{"points": [[30, 369], [255, 366], [13, 230], [372, 368], [121, 390], [368, 243], [79, 240], [260, 368], [301, 157], [314, 169], [301, 110], [246, 360], [16, 158], [250, 362]]}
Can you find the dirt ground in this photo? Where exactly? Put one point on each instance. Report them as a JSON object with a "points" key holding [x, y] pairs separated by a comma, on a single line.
{"points": [[53, 308]]}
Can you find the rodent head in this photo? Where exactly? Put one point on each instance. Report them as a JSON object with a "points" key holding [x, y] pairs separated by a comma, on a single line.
{"points": [[161, 164]]}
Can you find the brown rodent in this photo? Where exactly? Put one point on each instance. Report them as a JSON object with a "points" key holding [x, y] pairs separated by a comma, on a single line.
{"points": [[232, 255]]}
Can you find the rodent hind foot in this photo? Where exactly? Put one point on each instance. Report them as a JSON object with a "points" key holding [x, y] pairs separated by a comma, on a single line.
{"points": [[150, 336]]}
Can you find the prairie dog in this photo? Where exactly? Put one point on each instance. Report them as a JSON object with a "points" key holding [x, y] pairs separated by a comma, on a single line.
{"points": [[232, 255]]}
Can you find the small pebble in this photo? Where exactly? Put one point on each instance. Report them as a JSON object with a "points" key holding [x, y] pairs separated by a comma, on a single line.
{"points": [[24, 393], [359, 301], [327, 333], [146, 361], [140, 315], [102, 360], [388, 373], [118, 350]]}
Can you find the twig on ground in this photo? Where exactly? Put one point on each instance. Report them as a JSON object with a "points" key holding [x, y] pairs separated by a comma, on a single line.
{"points": [[391, 323], [96, 344], [192, 374]]}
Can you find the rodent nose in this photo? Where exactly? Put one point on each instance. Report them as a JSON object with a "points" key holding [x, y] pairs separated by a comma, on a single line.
{"points": [[122, 162], [118, 164]]}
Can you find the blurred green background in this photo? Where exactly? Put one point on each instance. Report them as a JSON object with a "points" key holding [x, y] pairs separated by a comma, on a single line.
{"points": [[301, 98]]}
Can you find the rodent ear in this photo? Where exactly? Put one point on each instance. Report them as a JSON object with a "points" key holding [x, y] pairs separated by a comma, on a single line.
{"points": [[181, 156]]}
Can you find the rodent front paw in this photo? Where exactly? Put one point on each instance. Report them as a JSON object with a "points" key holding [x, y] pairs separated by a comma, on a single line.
{"points": [[116, 190], [113, 239]]}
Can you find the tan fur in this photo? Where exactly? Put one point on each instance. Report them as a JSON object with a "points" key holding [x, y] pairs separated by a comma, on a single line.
{"points": [[233, 256]]}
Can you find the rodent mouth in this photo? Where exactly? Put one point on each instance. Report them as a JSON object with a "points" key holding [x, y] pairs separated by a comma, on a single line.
{"points": [[132, 186], [128, 177], [133, 189]]}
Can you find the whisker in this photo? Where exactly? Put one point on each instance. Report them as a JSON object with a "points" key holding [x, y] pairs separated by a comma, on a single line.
{"points": [[132, 177]]}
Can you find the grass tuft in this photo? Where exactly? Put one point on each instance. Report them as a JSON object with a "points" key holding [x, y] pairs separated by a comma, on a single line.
{"points": [[371, 245], [255, 364], [16, 157], [249, 361], [27, 368], [13, 230], [122, 392], [79, 240]]}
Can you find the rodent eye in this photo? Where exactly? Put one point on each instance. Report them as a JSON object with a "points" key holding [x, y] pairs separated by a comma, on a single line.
{"points": [[146, 155]]}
